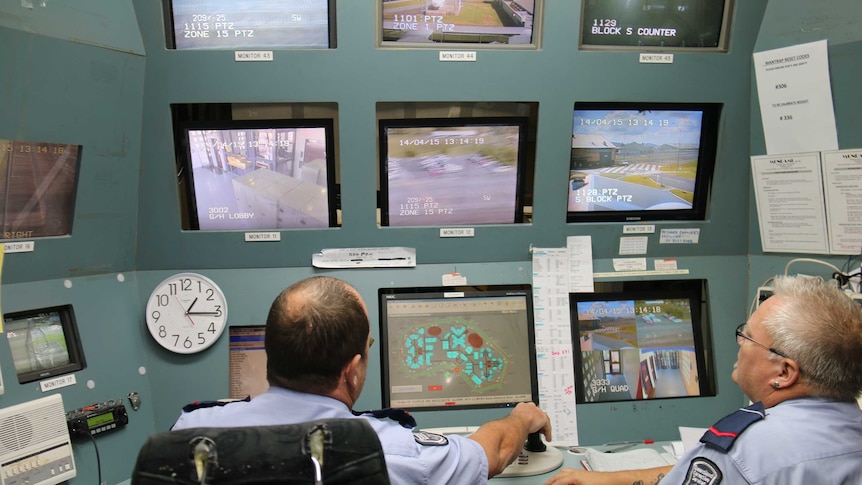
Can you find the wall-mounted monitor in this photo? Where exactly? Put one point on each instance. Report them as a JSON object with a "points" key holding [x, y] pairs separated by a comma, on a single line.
{"points": [[452, 171], [459, 347], [445, 24], [656, 25], [258, 24], [637, 161], [250, 175], [642, 340], [44, 342], [38, 185]]}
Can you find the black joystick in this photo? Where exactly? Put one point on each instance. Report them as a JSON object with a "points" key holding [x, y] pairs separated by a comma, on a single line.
{"points": [[535, 443]]}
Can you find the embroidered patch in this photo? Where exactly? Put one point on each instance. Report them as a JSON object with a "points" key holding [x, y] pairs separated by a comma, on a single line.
{"points": [[425, 438], [702, 472]]}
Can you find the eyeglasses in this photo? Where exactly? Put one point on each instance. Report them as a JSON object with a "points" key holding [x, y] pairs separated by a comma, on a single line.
{"points": [[740, 336], [370, 342]]}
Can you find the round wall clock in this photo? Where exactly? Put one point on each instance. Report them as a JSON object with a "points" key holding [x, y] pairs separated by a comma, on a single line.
{"points": [[186, 313]]}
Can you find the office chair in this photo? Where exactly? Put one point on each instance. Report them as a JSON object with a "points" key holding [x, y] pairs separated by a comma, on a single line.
{"points": [[326, 451]]}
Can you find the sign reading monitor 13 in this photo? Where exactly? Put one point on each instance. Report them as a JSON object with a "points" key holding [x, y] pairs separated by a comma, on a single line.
{"points": [[186, 313]]}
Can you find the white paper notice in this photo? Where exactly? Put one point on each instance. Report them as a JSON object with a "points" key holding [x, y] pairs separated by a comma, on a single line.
{"points": [[796, 99], [788, 190], [394, 257], [580, 264], [629, 264], [633, 245], [842, 180], [554, 342]]}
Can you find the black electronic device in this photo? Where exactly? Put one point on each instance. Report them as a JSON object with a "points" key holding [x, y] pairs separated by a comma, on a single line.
{"points": [[97, 418]]}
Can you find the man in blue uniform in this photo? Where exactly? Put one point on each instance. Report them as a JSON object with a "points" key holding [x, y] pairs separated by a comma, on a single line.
{"points": [[317, 341], [800, 361]]}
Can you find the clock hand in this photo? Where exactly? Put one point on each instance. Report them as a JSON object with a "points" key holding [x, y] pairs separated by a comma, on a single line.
{"points": [[189, 309], [186, 312], [204, 313]]}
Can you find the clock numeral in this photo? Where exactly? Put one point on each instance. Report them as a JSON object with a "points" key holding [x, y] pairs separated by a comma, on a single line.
{"points": [[186, 284], [162, 331], [212, 328], [162, 300], [155, 315], [201, 339], [210, 293]]}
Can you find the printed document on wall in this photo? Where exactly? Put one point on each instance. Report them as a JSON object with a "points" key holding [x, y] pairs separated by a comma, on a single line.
{"points": [[554, 342], [796, 99], [788, 190], [842, 181]]}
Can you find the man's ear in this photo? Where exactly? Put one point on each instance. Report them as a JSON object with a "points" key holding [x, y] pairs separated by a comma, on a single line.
{"points": [[350, 373], [789, 374]]}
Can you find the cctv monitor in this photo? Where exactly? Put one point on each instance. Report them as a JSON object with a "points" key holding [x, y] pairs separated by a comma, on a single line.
{"points": [[44, 342]]}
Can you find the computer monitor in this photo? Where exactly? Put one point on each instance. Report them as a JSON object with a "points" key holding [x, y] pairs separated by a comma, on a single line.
{"points": [[452, 171], [258, 24], [656, 25], [246, 361], [458, 347], [44, 342], [448, 24], [642, 340], [38, 185], [641, 161], [257, 174]]}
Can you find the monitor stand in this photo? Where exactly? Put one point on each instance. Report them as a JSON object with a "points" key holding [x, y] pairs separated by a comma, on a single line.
{"points": [[528, 463]]}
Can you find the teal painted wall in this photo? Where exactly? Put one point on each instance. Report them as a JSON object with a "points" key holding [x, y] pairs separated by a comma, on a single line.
{"points": [[110, 91]]}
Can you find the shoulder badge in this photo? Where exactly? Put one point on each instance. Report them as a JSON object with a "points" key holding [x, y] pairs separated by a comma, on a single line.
{"points": [[425, 438], [723, 434], [702, 472]]}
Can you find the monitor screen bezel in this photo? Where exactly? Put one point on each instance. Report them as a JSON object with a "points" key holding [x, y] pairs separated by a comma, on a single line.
{"points": [[384, 125], [74, 348], [185, 172], [721, 47], [707, 155], [440, 292], [695, 291], [534, 44], [171, 43]]}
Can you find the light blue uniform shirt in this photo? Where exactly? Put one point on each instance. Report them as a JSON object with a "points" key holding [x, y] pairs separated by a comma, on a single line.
{"points": [[462, 461], [801, 441]]}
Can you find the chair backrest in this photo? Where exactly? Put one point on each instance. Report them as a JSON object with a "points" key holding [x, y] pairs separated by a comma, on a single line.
{"points": [[326, 451]]}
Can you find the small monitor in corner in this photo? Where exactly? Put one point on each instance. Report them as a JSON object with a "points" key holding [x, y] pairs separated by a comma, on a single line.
{"points": [[452, 171], [641, 161], [44, 342], [258, 24], [456, 348], [447, 24], [257, 174], [656, 25], [642, 340]]}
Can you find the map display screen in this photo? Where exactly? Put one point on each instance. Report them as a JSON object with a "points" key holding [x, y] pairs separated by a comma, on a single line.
{"points": [[457, 347]]}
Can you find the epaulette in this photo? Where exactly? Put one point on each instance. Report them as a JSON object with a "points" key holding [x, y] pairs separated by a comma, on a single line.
{"points": [[403, 417], [209, 404], [723, 434]]}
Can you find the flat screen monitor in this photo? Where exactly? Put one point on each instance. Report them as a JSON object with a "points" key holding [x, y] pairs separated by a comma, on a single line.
{"points": [[258, 174], [655, 25], [452, 171], [642, 340], [641, 161], [497, 24], [457, 347], [38, 184], [44, 342], [266, 24]]}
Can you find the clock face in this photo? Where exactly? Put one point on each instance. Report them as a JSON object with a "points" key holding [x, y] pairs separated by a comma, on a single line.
{"points": [[186, 313]]}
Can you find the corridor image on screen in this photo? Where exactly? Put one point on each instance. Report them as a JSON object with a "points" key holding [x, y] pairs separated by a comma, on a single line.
{"points": [[494, 23], [259, 178], [469, 352], [233, 24], [450, 175], [635, 349], [630, 160]]}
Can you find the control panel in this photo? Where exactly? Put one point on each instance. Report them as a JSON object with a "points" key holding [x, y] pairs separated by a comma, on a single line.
{"points": [[97, 418]]}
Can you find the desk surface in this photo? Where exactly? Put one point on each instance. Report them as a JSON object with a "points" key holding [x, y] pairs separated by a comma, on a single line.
{"points": [[570, 460]]}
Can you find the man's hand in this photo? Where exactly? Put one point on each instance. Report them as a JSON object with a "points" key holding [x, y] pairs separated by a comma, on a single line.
{"points": [[503, 439], [571, 476]]}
